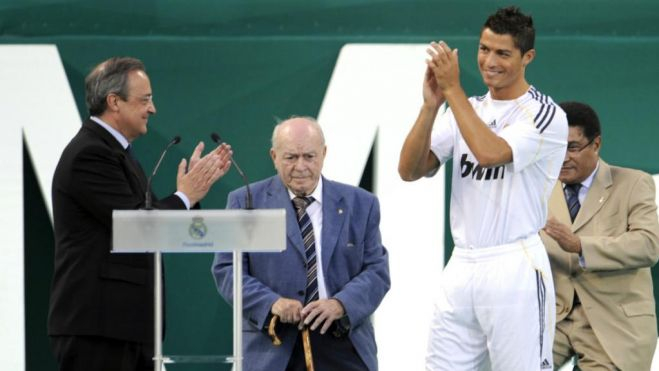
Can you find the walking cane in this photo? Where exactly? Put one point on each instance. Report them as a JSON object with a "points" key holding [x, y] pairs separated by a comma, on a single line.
{"points": [[306, 344], [306, 341]]}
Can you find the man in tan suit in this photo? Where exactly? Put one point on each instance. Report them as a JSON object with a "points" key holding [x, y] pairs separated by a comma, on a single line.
{"points": [[602, 237]]}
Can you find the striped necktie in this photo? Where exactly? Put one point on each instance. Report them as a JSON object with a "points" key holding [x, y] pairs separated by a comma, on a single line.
{"points": [[572, 197], [306, 228]]}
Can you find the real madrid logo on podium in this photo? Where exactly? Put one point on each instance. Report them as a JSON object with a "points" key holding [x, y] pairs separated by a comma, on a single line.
{"points": [[197, 229]]}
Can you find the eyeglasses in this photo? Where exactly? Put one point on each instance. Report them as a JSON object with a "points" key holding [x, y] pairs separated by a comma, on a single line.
{"points": [[574, 149], [145, 99]]}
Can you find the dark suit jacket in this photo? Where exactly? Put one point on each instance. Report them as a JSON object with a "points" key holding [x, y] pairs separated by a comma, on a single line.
{"points": [[94, 292], [355, 266]]}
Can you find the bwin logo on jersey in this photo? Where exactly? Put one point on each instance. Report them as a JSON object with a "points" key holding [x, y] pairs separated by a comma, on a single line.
{"points": [[478, 172]]}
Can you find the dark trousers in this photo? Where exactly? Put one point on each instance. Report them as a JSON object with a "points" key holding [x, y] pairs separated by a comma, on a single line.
{"points": [[95, 353], [329, 354]]}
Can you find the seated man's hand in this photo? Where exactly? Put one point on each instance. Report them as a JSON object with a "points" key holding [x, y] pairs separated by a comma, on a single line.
{"points": [[562, 233]]}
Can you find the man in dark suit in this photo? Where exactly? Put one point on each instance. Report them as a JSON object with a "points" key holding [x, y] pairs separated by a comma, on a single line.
{"points": [[101, 305], [333, 274]]}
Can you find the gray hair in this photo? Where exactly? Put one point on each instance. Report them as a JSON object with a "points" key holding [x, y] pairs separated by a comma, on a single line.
{"points": [[109, 77], [314, 124]]}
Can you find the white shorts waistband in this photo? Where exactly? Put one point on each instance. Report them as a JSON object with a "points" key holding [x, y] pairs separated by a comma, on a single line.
{"points": [[482, 253]]}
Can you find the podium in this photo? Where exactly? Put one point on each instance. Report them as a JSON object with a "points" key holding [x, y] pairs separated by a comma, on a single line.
{"points": [[198, 231]]}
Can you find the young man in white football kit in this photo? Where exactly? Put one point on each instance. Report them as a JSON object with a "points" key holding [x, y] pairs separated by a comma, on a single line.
{"points": [[496, 307]]}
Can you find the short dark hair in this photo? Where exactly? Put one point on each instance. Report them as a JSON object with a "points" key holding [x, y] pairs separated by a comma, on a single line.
{"points": [[109, 77], [511, 21], [582, 116]]}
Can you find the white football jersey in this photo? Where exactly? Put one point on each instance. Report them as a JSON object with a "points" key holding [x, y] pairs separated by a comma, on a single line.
{"points": [[499, 205]]}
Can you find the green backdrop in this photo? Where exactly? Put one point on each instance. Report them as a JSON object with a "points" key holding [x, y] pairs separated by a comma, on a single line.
{"points": [[234, 67]]}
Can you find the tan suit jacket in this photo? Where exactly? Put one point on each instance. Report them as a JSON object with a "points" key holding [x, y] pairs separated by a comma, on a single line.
{"points": [[619, 232]]}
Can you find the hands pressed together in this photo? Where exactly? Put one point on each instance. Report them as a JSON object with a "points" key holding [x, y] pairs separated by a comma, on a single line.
{"points": [[195, 179], [442, 74], [320, 313]]}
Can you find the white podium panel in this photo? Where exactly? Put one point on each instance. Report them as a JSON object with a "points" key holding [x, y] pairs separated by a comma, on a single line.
{"points": [[201, 231], [206, 231]]}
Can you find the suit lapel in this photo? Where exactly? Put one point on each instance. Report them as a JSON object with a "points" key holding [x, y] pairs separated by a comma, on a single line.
{"points": [[278, 197], [334, 215], [597, 195]]}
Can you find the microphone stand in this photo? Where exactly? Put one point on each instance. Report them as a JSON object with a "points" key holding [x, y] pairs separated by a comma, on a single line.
{"points": [[148, 199], [157, 271], [237, 274], [248, 199]]}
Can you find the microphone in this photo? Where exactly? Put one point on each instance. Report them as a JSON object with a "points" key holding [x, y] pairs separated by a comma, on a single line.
{"points": [[248, 200], [148, 202]]}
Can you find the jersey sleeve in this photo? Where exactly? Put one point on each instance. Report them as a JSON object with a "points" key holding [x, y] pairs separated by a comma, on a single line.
{"points": [[535, 137], [443, 135]]}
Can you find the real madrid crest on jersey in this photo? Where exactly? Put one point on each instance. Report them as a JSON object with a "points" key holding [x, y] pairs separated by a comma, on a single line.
{"points": [[197, 229]]}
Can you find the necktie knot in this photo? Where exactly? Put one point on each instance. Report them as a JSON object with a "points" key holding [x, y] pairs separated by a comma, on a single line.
{"points": [[301, 203], [572, 197], [573, 188], [129, 152]]}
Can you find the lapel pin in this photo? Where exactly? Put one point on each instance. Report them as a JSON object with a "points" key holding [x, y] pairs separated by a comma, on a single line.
{"points": [[340, 211]]}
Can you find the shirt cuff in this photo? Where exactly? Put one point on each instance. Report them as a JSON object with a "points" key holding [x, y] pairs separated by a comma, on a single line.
{"points": [[582, 262]]}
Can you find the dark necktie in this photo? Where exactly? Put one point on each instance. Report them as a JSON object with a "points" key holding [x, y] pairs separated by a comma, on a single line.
{"points": [[572, 197], [306, 228], [137, 166], [130, 153], [133, 159]]}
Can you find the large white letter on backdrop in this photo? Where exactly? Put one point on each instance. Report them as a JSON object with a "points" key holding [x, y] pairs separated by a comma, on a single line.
{"points": [[38, 107], [372, 100]]}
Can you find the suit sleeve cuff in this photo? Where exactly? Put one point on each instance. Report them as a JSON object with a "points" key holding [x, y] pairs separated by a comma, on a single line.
{"points": [[183, 198]]}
